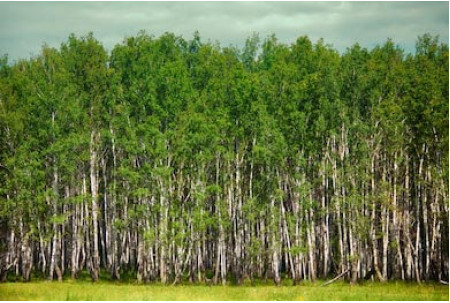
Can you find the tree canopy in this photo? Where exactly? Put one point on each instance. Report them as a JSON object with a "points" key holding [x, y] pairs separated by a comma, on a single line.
{"points": [[176, 159]]}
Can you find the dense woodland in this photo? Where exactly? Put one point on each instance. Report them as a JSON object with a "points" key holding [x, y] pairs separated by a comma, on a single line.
{"points": [[176, 160]]}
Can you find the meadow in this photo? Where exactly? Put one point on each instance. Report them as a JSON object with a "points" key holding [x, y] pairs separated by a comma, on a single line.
{"points": [[83, 290]]}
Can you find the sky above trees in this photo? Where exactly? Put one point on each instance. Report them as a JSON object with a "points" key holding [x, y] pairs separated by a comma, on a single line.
{"points": [[25, 26]]}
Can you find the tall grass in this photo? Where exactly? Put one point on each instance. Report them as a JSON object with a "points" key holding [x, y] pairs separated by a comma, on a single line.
{"points": [[84, 290]]}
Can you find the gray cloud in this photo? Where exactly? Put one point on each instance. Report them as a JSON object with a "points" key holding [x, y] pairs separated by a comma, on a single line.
{"points": [[25, 26]]}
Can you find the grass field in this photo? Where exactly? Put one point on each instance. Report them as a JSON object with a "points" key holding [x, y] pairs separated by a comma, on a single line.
{"points": [[83, 290]]}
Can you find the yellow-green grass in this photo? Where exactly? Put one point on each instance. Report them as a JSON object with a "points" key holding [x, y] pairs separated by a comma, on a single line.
{"points": [[83, 290]]}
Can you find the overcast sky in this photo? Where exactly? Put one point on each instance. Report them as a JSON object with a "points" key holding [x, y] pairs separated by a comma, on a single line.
{"points": [[25, 26]]}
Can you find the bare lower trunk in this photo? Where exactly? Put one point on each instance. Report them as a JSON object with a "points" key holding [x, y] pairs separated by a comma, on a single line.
{"points": [[406, 224], [274, 248], [374, 238], [163, 235], [94, 194], [141, 261], [311, 244], [238, 250], [42, 251], [287, 238], [55, 258], [74, 247], [25, 251]]}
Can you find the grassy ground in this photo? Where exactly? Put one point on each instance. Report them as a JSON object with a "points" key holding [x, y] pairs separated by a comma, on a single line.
{"points": [[83, 290]]}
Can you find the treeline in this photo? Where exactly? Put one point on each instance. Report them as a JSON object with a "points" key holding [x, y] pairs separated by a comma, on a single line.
{"points": [[176, 160]]}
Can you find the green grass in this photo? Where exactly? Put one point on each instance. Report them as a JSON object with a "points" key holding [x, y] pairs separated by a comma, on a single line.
{"points": [[84, 290]]}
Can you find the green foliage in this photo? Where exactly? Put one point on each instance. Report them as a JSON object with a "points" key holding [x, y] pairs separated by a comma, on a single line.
{"points": [[59, 219], [119, 224], [219, 137]]}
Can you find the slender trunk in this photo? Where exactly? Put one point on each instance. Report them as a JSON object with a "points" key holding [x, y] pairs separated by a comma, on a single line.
{"points": [[42, 250], [87, 229], [105, 230], [396, 226], [163, 232], [325, 225], [385, 231], [311, 242], [287, 238], [141, 260], [114, 234], [338, 215], [54, 265], [417, 253], [373, 225], [407, 222], [238, 222], [274, 246], [427, 247], [74, 247], [95, 210], [25, 251]]}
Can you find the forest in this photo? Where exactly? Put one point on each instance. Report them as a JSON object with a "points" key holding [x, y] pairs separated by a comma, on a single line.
{"points": [[176, 161]]}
